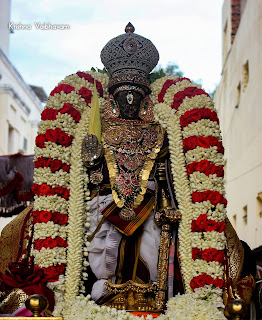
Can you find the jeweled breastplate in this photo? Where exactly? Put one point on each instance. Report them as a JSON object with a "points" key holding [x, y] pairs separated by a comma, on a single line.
{"points": [[131, 147]]}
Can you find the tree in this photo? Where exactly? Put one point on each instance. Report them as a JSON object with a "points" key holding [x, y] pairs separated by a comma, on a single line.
{"points": [[169, 70]]}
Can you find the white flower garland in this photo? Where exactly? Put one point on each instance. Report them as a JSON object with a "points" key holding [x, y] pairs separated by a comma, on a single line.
{"points": [[210, 239], [211, 268], [210, 154], [51, 203], [47, 257], [196, 102], [185, 307], [58, 178], [200, 182], [76, 213], [218, 215], [204, 127], [49, 229]]}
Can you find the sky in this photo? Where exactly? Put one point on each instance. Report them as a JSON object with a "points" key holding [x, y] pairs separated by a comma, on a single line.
{"points": [[185, 32]]}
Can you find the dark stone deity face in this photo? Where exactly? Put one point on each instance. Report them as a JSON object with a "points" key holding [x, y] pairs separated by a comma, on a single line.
{"points": [[129, 103]]}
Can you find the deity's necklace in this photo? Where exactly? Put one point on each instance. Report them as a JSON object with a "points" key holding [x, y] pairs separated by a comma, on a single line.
{"points": [[131, 147]]}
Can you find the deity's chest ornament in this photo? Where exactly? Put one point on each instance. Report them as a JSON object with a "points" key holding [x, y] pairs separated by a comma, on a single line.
{"points": [[131, 147]]}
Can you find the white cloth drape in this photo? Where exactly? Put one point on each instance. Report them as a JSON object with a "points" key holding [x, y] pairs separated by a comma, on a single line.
{"points": [[103, 250]]}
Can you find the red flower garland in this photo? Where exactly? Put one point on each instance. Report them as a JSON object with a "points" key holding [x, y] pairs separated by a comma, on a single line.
{"points": [[202, 224], [197, 114], [44, 216], [91, 79], [86, 94], [166, 85], [69, 109], [54, 135], [40, 141], [50, 243], [205, 167], [45, 190], [187, 92], [51, 114], [192, 142], [209, 254], [213, 196], [54, 164], [62, 87], [203, 279]]}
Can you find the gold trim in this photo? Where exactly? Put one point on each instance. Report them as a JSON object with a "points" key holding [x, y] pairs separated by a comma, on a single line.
{"points": [[121, 261], [235, 252], [91, 237], [162, 268]]}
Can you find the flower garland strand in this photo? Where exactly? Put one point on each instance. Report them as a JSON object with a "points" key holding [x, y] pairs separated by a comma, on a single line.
{"points": [[199, 134], [76, 213], [52, 172]]}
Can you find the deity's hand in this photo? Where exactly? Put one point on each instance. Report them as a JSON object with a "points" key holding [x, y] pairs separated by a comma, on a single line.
{"points": [[92, 151]]}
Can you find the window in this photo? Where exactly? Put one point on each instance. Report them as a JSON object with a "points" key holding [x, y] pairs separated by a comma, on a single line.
{"points": [[245, 76], [234, 222], [25, 144], [12, 115], [225, 44], [245, 215], [225, 169], [259, 205], [238, 95]]}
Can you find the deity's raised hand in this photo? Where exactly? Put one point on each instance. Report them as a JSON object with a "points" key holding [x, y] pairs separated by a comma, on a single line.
{"points": [[92, 151]]}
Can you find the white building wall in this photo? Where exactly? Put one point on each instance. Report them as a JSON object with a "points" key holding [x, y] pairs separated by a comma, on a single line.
{"points": [[20, 110], [240, 112]]}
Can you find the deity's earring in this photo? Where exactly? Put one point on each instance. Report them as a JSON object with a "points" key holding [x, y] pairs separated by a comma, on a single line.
{"points": [[146, 110], [130, 97], [111, 108]]}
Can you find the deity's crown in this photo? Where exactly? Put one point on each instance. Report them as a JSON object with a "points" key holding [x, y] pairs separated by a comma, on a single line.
{"points": [[129, 58]]}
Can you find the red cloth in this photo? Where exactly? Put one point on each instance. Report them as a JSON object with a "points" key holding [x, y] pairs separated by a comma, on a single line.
{"points": [[31, 282]]}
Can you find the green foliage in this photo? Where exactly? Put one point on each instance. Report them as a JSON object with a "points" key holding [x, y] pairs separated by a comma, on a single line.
{"points": [[170, 69], [101, 71]]}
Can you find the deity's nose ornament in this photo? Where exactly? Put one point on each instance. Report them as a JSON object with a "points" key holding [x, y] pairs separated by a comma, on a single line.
{"points": [[130, 97]]}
